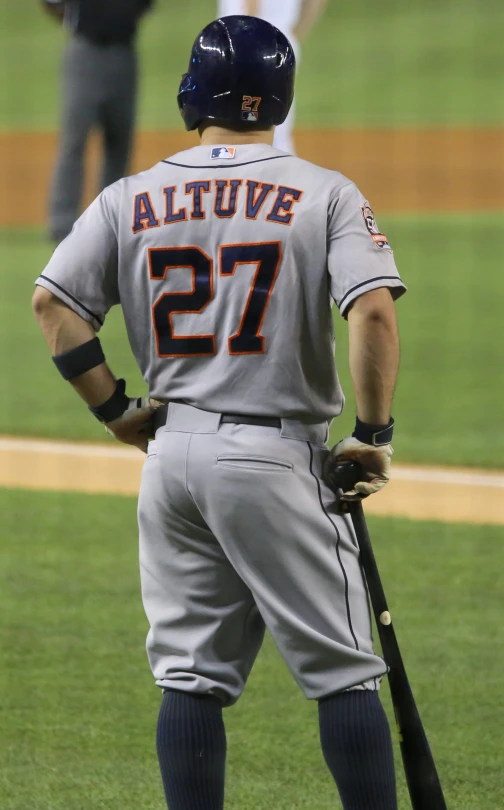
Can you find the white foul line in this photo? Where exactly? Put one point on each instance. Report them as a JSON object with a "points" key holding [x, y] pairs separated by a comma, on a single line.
{"points": [[436, 475], [400, 472], [76, 449]]}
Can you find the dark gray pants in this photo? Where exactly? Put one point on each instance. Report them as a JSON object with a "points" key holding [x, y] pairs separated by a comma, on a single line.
{"points": [[99, 90]]}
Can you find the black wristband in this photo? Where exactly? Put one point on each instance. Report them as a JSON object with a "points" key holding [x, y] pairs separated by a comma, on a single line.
{"points": [[114, 407], [79, 360], [377, 435]]}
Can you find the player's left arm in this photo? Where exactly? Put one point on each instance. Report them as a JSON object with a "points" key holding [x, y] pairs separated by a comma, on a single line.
{"points": [[374, 364], [70, 302], [310, 13], [364, 284], [373, 354]]}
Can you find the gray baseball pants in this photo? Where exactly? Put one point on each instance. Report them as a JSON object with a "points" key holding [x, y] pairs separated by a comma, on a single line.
{"points": [[238, 533], [98, 90]]}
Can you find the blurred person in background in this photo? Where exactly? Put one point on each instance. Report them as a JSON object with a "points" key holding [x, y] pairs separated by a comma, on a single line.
{"points": [[295, 18], [99, 77]]}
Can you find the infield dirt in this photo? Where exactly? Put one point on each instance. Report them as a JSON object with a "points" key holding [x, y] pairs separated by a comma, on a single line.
{"points": [[420, 493], [399, 170]]}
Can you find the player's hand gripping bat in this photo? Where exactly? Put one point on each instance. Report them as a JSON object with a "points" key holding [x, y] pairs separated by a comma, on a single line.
{"points": [[421, 775]]}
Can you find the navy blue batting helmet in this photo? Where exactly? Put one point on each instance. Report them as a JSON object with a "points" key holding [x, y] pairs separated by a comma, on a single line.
{"points": [[242, 71]]}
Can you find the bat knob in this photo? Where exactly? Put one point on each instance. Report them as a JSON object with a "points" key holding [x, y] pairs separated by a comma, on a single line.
{"points": [[344, 475]]}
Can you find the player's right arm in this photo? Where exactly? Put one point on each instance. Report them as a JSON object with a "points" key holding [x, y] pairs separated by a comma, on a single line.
{"points": [[72, 298], [56, 8]]}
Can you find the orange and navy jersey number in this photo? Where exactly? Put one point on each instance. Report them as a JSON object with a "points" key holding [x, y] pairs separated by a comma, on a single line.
{"points": [[247, 339], [161, 260], [267, 257]]}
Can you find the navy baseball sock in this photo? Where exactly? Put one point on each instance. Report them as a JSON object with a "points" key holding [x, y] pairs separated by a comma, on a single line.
{"points": [[357, 748], [191, 745]]}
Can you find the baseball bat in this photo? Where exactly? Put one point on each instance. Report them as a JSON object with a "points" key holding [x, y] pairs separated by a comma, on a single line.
{"points": [[421, 774]]}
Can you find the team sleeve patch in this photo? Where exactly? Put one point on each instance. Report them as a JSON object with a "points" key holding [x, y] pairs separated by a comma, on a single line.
{"points": [[378, 238]]}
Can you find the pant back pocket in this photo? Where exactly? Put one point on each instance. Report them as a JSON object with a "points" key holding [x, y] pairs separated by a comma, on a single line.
{"points": [[259, 463]]}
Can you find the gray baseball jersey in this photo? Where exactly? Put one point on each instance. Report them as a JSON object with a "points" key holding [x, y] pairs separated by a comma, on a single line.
{"points": [[225, 261]]}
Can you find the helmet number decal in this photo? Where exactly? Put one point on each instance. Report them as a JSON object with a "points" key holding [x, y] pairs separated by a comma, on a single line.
{"points": [[250, 108]]}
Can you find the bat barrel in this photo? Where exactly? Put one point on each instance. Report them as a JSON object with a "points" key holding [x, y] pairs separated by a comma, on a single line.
{"points": [[421, 775]]}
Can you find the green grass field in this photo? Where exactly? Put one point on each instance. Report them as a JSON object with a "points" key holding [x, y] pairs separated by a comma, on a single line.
{"points": [[451, 383], [394, 63], [79, 705]]}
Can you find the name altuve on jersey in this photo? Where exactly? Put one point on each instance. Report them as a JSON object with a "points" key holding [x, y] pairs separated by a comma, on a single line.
{"points": [[274, 203]]}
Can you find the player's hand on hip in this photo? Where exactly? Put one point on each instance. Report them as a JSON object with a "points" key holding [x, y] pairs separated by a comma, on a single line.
{"points": [[374, 462], [136, 425]]}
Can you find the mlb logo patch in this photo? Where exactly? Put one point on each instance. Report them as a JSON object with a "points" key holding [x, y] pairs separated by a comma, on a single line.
{"points": [[223, 153]]}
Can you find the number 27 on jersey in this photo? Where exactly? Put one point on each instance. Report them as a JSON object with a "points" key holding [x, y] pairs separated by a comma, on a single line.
{"points": [[247, 339]]}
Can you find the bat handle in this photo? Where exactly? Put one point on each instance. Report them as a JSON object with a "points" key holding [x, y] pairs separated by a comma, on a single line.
{"points": [[344, 476], [380, 607]]}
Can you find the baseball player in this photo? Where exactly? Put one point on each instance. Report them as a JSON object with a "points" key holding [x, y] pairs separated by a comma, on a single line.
{"points": [[225, 259], [296, 19]]}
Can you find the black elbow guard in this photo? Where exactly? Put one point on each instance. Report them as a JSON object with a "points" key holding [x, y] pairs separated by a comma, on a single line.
{"points": [[77, 361]]}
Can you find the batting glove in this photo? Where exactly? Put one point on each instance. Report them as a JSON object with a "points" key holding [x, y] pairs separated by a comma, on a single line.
{"points": [[129, 419], [372, 455]]}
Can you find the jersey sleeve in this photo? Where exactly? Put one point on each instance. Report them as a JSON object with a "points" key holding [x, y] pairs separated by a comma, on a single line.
{"points": [[360, 258], [83, 270]]}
